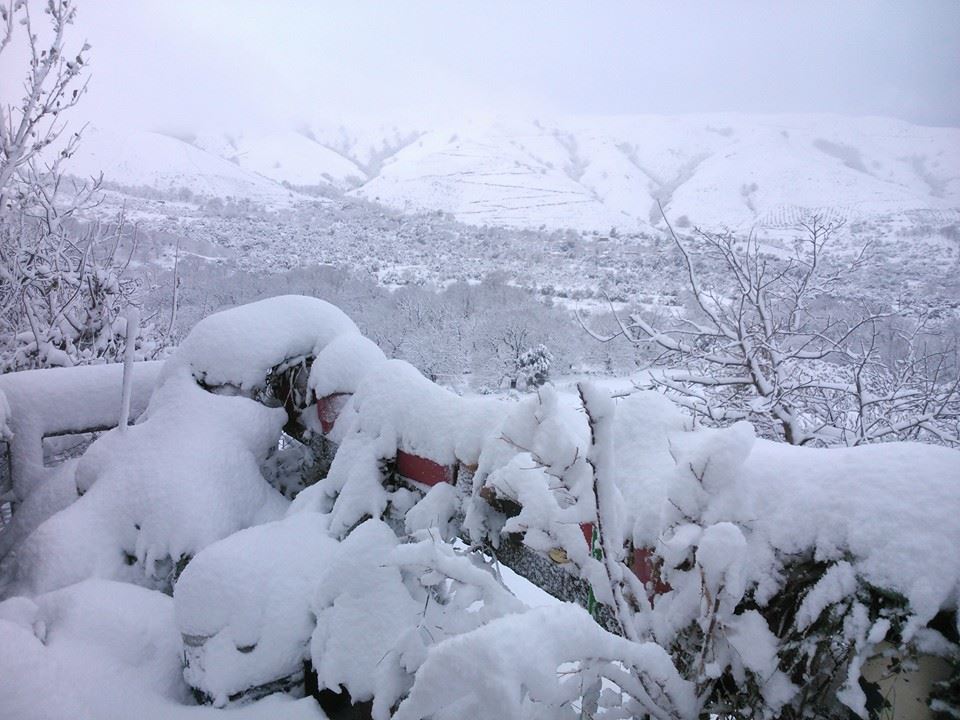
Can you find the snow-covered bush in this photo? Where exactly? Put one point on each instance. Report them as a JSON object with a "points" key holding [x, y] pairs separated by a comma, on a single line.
{"points": [[533, 366], [417, 628], [771, 574], [789, 567]]}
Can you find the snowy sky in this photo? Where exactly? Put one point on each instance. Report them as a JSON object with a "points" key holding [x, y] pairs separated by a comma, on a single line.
{"points": [[187, 64]]}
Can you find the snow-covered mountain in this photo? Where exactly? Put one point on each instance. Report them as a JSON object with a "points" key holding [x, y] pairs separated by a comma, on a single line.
{"points": [[587, 173], [294, 158], [733, 171], [137, 158]]}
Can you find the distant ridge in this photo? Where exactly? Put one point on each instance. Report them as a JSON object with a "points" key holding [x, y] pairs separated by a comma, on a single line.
{"points": [[587, 173]]}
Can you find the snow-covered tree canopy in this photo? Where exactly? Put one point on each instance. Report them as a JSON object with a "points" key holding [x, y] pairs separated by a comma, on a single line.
{"points": [[696, 571]]}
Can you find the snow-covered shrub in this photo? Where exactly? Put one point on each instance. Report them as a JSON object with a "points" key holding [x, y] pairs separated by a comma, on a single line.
{"points": [[788, 568], [426, 631], [546, 663], [533, 366], [774, 573]]}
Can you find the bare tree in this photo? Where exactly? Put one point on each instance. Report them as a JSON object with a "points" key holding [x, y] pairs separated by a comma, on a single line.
{"points": [[62, 284], [767, 341], [54, 83]]}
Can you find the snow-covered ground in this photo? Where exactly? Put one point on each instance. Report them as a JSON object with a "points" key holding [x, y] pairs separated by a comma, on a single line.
{"points": [[415, 623]]}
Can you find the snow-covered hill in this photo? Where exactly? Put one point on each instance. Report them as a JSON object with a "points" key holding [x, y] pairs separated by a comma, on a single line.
{"points": [[296, 159], [589, 173], [137, 158], [718, 170]]}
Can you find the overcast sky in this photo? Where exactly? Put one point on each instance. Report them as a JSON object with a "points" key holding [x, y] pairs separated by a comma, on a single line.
{"points": [[197, 64]]}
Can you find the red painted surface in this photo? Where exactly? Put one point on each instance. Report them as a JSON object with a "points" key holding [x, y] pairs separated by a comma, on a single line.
{"points": [[642, 563], [422, 470], [328, 408], [648, 572]]}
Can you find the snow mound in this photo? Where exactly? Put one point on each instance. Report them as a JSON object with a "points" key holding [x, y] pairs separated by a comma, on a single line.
{"points": [[243, 605], [239, 347], [341, 365], [185, 476], [104, 650]]}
